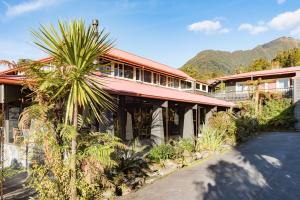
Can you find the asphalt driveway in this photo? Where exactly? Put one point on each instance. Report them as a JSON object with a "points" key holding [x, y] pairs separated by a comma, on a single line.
{"points": [[267, 167]]}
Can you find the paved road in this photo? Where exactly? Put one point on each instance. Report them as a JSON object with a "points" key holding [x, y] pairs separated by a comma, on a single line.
{"points": [[267, 167]]}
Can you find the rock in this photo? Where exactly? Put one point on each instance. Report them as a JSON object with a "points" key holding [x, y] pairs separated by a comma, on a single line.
{"points": [[186, 153], [108, 194], [154, 167], [188, 160], [205, 154], [125, 190], [198, 155], [170, 166], [152, 179]]}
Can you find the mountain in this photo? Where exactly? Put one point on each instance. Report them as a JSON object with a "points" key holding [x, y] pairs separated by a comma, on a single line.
{"points": [[211, 63]]}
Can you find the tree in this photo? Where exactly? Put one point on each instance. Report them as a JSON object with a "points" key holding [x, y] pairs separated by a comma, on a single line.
{"points": [[254, 84], [9, 64], [288, 58], [74, 49], [256, 65]]}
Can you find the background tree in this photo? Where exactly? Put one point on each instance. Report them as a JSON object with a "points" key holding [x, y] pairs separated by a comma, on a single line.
{"points": [[288, 58], [256, 65]]}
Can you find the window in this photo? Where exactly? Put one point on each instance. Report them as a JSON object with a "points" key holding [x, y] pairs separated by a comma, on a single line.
{"points": [[241, 87], [128, 71], [186, 85], [105, 69], [163, 80], [197, 86], [118, 70], [147, 76], [138, 74], [176, 83], [104, 66], [170, 82], [282, 83], [155, 78], [266, 86], [204, 88]]}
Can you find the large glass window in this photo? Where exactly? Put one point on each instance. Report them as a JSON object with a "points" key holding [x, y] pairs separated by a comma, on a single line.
{"points": [[186, 85], [282, 83], [128, 71], [176, 83], [155, 78], [163, 80], [119, 70], [198, 86], [204, 87], [138, 74], [170, 82], [147, 76]]}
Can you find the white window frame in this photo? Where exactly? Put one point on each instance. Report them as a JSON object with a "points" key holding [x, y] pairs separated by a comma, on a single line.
{"points": [[242, 86], [266, 86], [278, 80], [187, 88], [206, 86]]}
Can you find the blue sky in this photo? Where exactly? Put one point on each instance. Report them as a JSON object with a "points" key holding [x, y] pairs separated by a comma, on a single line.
{"points": [[170, 32]]}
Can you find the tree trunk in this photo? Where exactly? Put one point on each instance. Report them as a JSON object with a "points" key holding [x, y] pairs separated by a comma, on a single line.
{"points": [[73, 154]]}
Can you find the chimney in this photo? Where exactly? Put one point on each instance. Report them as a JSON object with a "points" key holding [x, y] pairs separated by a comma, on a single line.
{"points": [[95, 24]]}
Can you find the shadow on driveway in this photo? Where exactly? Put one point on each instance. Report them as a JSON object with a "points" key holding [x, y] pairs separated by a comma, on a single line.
{"points": [[267, 167]]}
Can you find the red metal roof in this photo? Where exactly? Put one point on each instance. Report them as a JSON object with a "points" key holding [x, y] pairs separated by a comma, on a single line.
{"points": [[144, 62], [123, 56], [12, 80], [271, 72], [132, 88]]}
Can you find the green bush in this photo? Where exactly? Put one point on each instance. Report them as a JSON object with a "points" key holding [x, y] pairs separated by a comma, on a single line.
{"points": [[162, 152], [247, 126], [225, 121], [277, 114], [185, 145], [211, 139]]}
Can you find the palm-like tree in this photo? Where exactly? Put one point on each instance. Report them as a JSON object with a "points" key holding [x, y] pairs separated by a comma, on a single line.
{"points": [[75, 48], [9, 64]]}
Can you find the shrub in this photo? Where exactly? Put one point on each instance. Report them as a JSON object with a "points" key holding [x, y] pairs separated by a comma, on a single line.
{"points": [[225, 121], [184, 145], [247, 126], [211, 139], [162, 152], [277, 114]]}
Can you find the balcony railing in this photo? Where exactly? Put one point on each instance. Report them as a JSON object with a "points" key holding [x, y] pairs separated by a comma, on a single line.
{"points": [[247, 95]]}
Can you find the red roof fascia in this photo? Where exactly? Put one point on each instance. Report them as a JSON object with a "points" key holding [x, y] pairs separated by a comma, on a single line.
{"points": [[281, 71], [11, 80]]}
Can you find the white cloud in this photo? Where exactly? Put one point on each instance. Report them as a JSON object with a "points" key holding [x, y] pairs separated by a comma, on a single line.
{"points": [[253, 29], [208, 27], [26, 7], [281, 1], [296, 32], [224, 30], [286, 20]]}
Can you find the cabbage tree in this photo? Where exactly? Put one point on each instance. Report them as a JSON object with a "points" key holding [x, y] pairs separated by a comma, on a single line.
{"points": [[74, 48]]}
